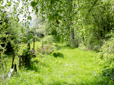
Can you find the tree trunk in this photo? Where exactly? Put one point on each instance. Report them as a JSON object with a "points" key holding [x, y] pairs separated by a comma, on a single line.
{"points": [[71, 19], [72, 36], [13, 60], [20, 62], [34, 44], [28, 45]]}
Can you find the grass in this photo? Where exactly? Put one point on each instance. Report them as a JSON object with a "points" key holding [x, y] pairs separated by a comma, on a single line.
{"points": [[76, 67]]}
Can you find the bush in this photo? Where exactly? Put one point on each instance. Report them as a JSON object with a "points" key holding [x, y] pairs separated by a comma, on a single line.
{"points": [[107, 59], [47, 49], [26, 58], [25, 54], [48, 39], [108, 46]]}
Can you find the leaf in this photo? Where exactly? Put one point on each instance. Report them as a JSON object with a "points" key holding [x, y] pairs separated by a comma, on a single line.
{"points": [[31, 32], [25, 15], [24, 39], [30, 41], [29, 18], [9, 3], [2, 7], [22, 30], [33, 4], [36, 10], [29, 36]]}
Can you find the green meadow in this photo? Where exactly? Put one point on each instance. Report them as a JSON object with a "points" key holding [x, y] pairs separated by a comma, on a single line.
{"points": [[69, 67]]}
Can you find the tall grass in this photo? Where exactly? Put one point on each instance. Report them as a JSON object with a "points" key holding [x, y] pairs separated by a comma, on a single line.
{"points": [[76, 67]]}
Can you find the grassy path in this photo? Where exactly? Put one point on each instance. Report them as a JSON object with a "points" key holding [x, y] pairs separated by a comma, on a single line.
{"points": [[76, 67]]}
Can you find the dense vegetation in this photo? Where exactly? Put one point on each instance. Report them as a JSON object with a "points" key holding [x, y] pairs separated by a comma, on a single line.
{"points": [[57, 42]]}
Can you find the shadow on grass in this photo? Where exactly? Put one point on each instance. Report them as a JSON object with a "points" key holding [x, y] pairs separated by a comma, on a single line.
{"points": [[35, 66], [58, 54], [64, 47]]}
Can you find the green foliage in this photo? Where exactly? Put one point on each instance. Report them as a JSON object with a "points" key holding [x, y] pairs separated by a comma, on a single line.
{"points": [[107, 58], [26, 55], [21, 48], [92, 21], [48, 39], [37, 39], [29, 18], [95, 24], [54, 32], [29, 36], [10, 32], [26, 58], [33, 3], [108, 46]]}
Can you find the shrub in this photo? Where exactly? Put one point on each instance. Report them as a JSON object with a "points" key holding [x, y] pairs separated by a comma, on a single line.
{"points": [[26, 58], [47, 49], [108, 46], [47, 39], [25, 54], [107, 59]]}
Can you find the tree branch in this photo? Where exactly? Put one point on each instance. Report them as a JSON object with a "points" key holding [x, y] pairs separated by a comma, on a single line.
{"points": [[92, 7]]}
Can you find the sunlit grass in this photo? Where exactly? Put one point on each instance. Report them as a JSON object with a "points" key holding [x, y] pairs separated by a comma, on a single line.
{"points": [[76, 67]]}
